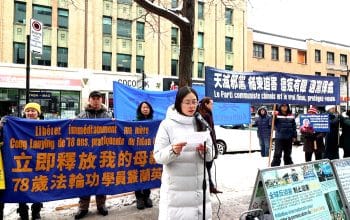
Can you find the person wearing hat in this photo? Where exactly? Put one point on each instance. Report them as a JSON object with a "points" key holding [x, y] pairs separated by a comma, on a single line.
{"points": [[332, 137], [93, 110], [285, 134], [313, 141], [32, 111]]}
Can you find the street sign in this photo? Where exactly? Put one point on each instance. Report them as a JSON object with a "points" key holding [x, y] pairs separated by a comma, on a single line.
{"points": [[36, 36]]}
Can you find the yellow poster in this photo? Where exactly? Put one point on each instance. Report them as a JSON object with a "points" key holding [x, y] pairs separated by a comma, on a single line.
{"points": [[2, 173]]}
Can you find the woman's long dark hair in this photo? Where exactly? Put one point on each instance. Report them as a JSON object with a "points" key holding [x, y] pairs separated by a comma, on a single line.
{"points": [[140, 116]]}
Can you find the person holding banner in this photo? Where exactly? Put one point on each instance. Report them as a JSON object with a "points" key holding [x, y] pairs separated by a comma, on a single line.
{"points": [[313, 141], [332, 137], [32, 111], [94, 110], [285, 135], [205, 108], [263, 122], [181, 149], [144, 112]]}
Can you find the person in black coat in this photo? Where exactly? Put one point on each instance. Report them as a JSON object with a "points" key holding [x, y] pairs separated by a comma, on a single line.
{"points": [[205, 108], [32, 111], [286, 133], [144, 112], [332, 137], [263, 123]]}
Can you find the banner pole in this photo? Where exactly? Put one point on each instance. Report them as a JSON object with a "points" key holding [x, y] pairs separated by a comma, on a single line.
{"points": [[272, 128]]}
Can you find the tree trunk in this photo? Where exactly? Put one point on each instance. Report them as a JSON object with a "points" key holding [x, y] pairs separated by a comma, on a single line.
{"points": [[186, 44]]}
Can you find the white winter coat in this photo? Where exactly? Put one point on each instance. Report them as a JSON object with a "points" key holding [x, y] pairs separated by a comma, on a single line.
{"points": [[181, 193]]}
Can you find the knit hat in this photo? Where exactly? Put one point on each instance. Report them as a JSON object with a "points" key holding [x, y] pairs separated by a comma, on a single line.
{"points": [[33, 105], [329, 107], [312, 110]]}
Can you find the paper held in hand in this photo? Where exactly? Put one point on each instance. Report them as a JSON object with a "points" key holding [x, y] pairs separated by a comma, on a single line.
{"points": [[194, 139]]}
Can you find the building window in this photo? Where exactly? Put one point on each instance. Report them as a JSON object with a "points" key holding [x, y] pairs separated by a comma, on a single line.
{"points": [[20, 12], [200, 42], [140, 31], [287, 55], [62, 57], [228, 16], [330, 58], [174, 67], [126, 2], [18, 53], [258, 51], [174, 36], [43, 14], [330, 74], [106, 61], [200, 10], [174, 3], [45, 59], [107, 25], [343, 59], [123, 62], [301, 57], [200, 70], [228, 67], [228, 44], [317, 73], [140, 64], [274, 53], [63, 18], [123, 28], [317, 56]]}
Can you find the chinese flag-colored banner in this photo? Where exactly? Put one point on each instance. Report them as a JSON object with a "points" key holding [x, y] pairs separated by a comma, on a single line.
{"points": [[47, 160]]}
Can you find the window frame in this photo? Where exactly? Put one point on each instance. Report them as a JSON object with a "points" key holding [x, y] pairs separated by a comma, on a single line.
{"points": [[287, 55], [123, 24], [44, 21], [258, 50], [62, 56], [61, 18], [19, 19]]}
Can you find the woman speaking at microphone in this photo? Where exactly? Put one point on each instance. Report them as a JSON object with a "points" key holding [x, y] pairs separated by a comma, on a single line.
{"points": [[181, 191]]}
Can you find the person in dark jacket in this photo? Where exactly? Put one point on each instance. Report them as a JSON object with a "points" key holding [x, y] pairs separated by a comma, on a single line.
{"points": [[263, 123], [313, 141], [286, 133], [332, 137], [94, 110], [144, 112], [32, 111], [205, 108], [345, 135]]}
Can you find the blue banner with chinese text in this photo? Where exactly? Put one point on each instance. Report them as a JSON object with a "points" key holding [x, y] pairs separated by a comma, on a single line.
{"points": [[271, 87], [58, 159]]}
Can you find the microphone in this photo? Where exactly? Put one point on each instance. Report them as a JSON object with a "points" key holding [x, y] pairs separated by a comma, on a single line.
{"points": [[198, 116]]}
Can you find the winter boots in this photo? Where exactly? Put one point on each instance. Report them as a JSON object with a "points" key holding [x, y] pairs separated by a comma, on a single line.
{"points": [[23, 211]]}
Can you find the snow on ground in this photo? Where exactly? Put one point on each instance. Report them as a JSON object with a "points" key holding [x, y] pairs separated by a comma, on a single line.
{"points": [[235, 175]]}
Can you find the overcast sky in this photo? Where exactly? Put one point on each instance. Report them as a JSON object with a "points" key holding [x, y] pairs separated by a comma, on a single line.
{"points": [[318, 19]]}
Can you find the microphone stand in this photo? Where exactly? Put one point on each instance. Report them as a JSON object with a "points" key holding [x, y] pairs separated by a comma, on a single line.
{"points": [[204, 171]]}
